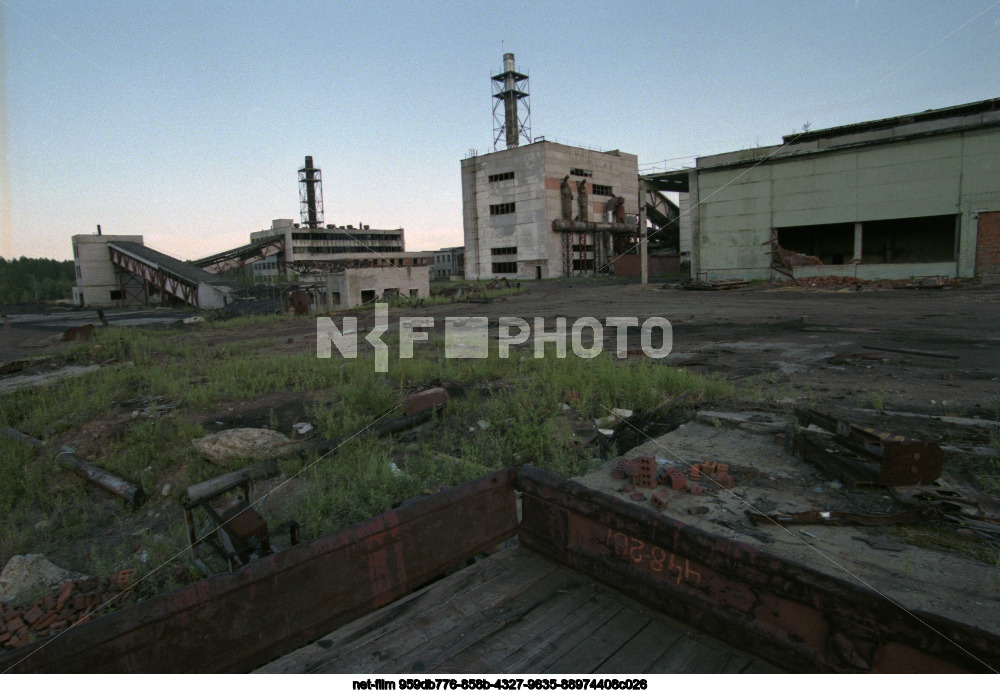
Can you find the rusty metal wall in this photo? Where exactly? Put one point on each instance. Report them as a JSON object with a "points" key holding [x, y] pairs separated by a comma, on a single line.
{"points": [[235, 622], [777, 609]]}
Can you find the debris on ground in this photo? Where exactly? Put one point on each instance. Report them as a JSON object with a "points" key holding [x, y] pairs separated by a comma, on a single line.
{"points": [[75, 601], [24, 576], [228, 445]]}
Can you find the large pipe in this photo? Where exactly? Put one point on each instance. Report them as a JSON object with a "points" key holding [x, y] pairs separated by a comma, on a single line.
{"points": [[65, 458]]}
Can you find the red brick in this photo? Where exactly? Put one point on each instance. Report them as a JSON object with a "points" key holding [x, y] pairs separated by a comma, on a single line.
{"points": [[14, 624], [660, 499], [4, 637], [45, 621], [638, 496], [696, 489], [64, 593], [32, 615], [695, 473], [677, 480], [707, 467], [57, 626], [722, 468], [646, 475]]}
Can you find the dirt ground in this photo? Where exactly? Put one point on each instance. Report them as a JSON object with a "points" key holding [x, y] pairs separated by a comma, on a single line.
{"points": [[780, 347]]}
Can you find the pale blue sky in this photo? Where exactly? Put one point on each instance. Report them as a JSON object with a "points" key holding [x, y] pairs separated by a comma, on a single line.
{"points": [[187, 121]]}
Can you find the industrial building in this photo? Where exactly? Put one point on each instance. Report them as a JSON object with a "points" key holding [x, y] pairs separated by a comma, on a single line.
{"points": [[449, 264], [910, 196], [512, 198], [352, 287], [121, 270]]}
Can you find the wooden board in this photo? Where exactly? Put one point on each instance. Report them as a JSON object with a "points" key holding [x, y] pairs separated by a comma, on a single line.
{"points": [[514, 612]]}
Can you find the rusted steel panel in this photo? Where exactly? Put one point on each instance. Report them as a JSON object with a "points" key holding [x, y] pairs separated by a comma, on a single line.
{"points": [[237, 621], [776, 608]]}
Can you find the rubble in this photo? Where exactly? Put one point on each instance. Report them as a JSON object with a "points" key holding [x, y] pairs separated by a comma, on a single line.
{"points": [[75, 601], [26, 575], [226, 446]]}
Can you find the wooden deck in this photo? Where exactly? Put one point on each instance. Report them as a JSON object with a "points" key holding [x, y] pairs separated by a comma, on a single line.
{"points": [[515, 612]]}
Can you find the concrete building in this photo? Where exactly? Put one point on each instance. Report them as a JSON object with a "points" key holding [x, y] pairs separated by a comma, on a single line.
{"points": [[117, 270], [96, 279], [332, 247], [903, 197], [352, 287], [510, 199], [449, 264]]}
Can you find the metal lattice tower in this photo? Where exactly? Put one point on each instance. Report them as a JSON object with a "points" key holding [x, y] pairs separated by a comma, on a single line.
{"points": [[510, 88], [311, 195]]}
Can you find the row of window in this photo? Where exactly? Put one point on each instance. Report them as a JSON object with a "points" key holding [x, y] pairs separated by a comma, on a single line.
{"points": [[581, 172], [601, 190], [345, 249], [505, 268], [342, 236], [505, 250], [502, 208], [505, 176]]}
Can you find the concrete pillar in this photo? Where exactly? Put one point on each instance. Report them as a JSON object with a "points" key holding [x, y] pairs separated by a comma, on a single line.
{"points": [[857, 241], [643, 241]]}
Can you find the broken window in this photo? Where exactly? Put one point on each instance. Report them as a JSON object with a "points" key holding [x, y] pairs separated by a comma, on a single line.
{"points": [[502, 208], [506, 176], [601, 190], [367, 295], [414, 293], [505, 250], [833, 244], [586, 265], [581, 172], [504, 268], [335, 298], [912, 240]]}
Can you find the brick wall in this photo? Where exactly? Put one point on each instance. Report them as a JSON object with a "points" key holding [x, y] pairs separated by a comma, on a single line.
{"points": [[988, 244]]}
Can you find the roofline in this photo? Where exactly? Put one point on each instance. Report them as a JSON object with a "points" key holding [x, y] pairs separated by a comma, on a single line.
{"points": [[969, 109]]}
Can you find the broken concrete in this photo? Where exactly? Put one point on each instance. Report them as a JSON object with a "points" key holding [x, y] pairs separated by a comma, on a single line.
{"points": [[24, 576], [227, 446]]}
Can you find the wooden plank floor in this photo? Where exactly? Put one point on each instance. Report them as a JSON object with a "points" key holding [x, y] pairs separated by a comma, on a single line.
{"points": [[516, 612]]}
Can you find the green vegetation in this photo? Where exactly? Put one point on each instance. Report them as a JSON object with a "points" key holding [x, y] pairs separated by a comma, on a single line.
{"points": [[519, 398], [35, 279]]}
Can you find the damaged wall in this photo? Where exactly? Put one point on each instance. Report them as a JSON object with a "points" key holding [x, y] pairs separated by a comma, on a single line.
{"points": [[932, 182], [528, 177]]}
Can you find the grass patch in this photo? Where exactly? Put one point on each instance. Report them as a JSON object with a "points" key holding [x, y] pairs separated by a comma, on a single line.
{"points": [[519, 398]]}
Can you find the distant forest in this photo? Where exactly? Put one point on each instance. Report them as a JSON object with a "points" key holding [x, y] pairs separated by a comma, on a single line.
{"points": [[35, 279]]}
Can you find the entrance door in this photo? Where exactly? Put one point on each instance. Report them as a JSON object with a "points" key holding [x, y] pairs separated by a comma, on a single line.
{"points": [[538, 272]]}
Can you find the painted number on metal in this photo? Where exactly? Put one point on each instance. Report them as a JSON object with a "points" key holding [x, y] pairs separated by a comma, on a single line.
{"points": [[651, 557]]}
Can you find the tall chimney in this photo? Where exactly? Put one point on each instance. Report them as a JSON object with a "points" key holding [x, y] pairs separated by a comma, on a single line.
{"points": [[311, 195], [509, 88]]}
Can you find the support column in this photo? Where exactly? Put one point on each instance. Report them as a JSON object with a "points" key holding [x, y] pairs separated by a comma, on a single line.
{"points": [[643, 241], [857, 241]]}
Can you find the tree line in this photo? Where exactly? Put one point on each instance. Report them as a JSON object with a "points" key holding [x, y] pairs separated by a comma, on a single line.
{"points": [[35, 279]]}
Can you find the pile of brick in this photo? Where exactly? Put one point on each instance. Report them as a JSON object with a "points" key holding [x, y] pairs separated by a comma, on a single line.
{"points": [[75, 602], [644, 472]]}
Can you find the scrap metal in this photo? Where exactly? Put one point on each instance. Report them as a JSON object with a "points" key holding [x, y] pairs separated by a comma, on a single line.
{"points": [[898, 460], [65, 458], [837, 518]]}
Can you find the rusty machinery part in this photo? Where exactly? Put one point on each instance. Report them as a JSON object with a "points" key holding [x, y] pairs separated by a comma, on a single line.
{"points": [[900, 460], [230, 526]]}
